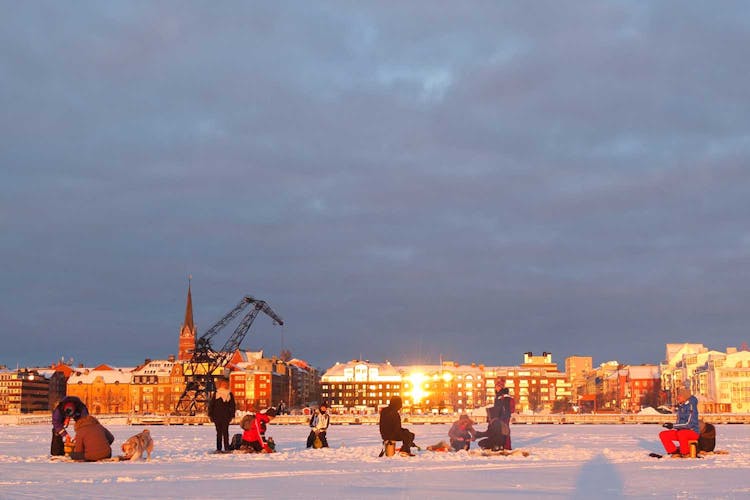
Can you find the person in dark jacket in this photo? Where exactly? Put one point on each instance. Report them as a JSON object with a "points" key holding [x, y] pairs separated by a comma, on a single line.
{"points": [[390, 426], [497, 435], [319, 426], [93, 441], [69, 407], [221, 411]]}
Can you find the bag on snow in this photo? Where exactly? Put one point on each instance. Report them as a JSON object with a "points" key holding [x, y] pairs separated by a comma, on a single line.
{"points": [[236, 442]]}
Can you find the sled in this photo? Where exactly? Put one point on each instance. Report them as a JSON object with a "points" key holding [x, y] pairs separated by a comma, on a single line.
{"points": [[500, 453]]}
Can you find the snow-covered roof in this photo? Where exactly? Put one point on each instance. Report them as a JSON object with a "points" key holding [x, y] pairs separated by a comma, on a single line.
{"points": [[158, 367], [644, 372], [108, 376]]}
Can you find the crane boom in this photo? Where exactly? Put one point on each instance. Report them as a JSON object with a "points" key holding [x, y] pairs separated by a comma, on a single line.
{"points": [[203, 366]]}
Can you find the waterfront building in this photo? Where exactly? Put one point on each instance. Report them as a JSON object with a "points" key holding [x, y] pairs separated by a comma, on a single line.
{"points": [[448, 387], [577, 369], [103, 389], [156, 386], [23, 391], [360, 386]]}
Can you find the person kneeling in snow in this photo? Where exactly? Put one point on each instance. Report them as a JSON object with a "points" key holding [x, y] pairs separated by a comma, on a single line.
{"points": [[390, 426], [93, 441], [462, 433], [254, 437], [686, 428]]}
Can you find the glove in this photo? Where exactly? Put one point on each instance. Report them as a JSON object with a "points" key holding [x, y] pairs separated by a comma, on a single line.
{"points": [[668, 425]]}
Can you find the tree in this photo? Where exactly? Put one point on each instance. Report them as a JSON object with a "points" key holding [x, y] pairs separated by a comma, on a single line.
{"points": [[285, 355]]}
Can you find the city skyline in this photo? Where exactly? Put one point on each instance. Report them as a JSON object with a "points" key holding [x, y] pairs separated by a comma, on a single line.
{"points": [[474, 181]]}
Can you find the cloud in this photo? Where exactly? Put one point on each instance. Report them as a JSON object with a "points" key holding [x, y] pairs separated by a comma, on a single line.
{"points": [[473, 181]]}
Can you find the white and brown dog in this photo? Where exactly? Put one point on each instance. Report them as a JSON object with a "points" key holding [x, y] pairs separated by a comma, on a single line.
{"points": [[135, 446]]}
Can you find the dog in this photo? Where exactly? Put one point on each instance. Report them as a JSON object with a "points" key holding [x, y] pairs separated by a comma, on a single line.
{"points": [[135, 446]]}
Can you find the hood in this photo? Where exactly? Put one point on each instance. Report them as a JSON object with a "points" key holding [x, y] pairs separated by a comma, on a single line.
{"points": [[85, 422], [396, 403]]}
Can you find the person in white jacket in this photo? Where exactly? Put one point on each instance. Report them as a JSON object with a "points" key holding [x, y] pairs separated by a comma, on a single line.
{"points": [[318, 426]]}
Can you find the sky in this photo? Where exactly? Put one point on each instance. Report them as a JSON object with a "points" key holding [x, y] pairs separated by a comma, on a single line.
{"points": [[399, 181]]}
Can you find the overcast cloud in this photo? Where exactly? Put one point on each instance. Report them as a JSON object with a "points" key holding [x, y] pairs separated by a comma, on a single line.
{"points": [[399, 180]]}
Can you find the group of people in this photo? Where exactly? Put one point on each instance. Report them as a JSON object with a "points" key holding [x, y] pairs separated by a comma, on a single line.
{"points": [[222, 409], [92, 441], [461, 433]]}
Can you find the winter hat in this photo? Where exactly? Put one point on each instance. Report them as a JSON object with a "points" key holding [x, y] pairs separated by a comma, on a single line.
{"points": [[271, 412], [69, 408]]}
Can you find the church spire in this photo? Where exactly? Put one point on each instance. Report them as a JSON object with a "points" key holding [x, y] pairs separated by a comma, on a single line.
{"points": [[189, 308], [187, 332]]}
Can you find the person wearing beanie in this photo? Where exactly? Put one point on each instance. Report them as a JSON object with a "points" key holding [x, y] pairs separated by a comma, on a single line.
{"points": [[69, 407], [390, 427], [221, 411]]}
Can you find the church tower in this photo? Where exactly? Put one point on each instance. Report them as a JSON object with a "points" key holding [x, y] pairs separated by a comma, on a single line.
{"points": [[187, 332]]}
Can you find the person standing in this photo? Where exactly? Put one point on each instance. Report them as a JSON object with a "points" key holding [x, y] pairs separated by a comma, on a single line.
{"points": [[506, 406], [687, 427], [221, 411], [390, 427], [68, 407], [319, 426]]}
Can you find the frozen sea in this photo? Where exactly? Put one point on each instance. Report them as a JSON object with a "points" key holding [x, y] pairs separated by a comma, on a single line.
{"points": [[565, 461]]}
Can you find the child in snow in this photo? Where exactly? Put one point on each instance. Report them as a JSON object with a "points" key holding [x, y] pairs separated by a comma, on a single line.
{"points": [[319, 425], [221, 410], [254, 437], [462, 433], [686, 428]]}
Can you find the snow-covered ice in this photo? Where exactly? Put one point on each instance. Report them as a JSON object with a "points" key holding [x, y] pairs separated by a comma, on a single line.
{"points": [[566, 461]]}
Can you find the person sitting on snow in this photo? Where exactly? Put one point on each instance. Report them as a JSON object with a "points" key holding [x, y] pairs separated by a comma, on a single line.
{"points": [[390, 427], [93, 441], [687, 427], [254, 437], [462, 433]]}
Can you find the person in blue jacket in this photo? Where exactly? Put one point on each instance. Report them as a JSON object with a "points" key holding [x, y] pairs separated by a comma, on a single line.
{"points": [[69, 407], [687, 427]]}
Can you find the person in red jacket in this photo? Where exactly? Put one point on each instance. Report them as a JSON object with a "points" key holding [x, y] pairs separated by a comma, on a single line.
{"points": [[255, 436]]}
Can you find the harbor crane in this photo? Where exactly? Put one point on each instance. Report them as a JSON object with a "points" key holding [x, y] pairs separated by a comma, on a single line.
{"points": [[206, 363]]}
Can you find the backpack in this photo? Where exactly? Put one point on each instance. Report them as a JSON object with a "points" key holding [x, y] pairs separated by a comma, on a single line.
{"points": [[247, 421], [707, 438], [236, 442]]}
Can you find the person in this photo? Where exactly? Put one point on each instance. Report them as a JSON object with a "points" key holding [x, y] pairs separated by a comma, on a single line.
{"points": [[390, 427], [497, 435], [462, 433], [254, 437], [686, 428], [68, 407], [506, 406], [221, 411], [93, 441], [319, 426]]}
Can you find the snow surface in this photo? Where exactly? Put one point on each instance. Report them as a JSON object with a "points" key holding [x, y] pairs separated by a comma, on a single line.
{"points": [[566, 461]]}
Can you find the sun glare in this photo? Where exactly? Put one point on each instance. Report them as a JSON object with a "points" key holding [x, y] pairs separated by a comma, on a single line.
{"points": [[417, 392]]}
